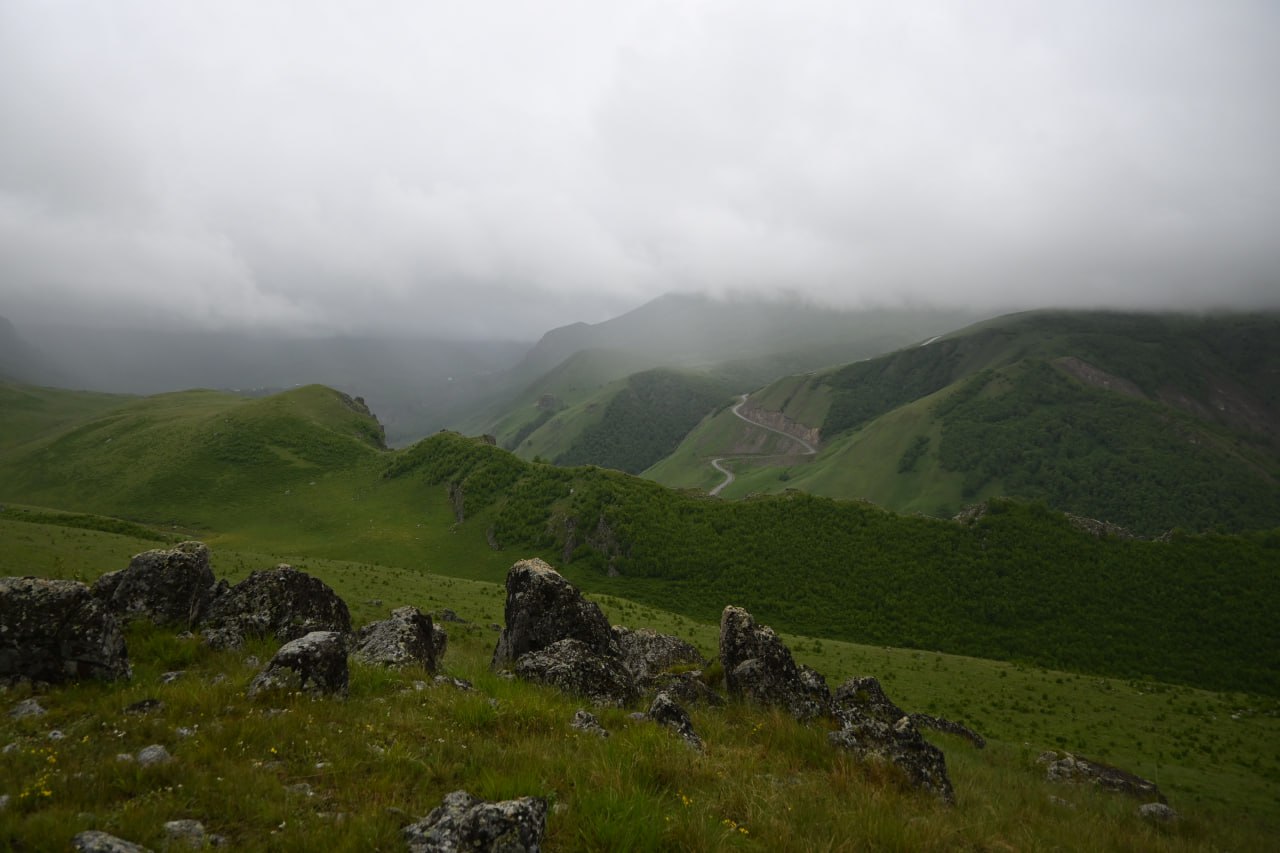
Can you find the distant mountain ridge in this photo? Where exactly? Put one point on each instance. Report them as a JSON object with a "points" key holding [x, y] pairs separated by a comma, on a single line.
{"points": [[1149, 421]]}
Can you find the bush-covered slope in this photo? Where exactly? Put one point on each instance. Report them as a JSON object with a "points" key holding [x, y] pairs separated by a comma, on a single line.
{"points": [[1018, 583]]}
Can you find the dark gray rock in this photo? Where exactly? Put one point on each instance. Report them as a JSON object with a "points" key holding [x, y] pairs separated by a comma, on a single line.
{"points": [[57, 631], [144, 706], [922, 764], [1074, 769], [574, 667], [585, 721], [667, 712], [93, 841], [316, 664], [464, 823], [444, 614], [863, 698], [648, 654], [283, 603], [168, 586], [406, 638], [758, 667], [687, 688], [27, 708], [543, 608]]}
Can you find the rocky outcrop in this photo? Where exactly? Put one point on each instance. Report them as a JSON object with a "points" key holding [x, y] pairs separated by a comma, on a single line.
{"points": [[316, 664], [687, 688], [863, 698], [758, 667], [574, 667], [167, 586], [781, 423], [921, 763], [543, 608], [283, 603], [665, 711], [648, 654], [465, 823], [1065, 767], [408, 637], [56, 631]]}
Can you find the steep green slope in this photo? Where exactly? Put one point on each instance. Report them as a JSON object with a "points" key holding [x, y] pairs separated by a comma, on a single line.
{"points": [[1149, 421], [1020, 583]]}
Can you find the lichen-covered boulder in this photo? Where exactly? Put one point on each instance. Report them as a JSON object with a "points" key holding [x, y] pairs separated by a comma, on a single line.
{"points": [[95, 841], [687, 688], [574, 667], [667, 712], [168, 586], [57, 631], [922, 764], [862, 698], [408, 637], [585, 721], [316, 664], [758, 666], [465, 823], [543, 608], [1075, 769], [283, 603], [648, 654]]}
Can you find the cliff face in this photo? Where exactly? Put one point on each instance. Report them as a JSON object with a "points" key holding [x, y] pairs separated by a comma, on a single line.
{"points": [[782, 423]]}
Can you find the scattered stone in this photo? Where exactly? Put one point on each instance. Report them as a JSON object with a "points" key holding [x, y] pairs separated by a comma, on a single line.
{"points": [[900, 744], [1158, 812], [315, 663], [463, 822], [252, 660], [494, 626], [170, 677], [124, 757], [301, 789], [55, 734], [94, 841], [406, 638], [648, 654], [585, 721], [57, 631], [169, 587], [154, 754], [283, 603], [543, 608], [4, 802], [10, 747], [374, 602], [574, 667], [184, 732], [456, 683], [665, 711], [758, 666], [444, 614], [144, 706], [1074, 769], [27, 708], [1061, 803], [188, 832]]}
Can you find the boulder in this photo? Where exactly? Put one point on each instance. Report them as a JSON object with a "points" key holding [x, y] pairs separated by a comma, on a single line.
{"points": [[648, 654], [56, 631], [408, 637], [863, 698], [687, 688], [169, 586], [316, 664], [667, 712], [1157, 812], [283, 603], [464, 823], [94, 841], [1072, 768], [758, 666], [922, 764], [576, 668], [27, 708], [543, 608]]}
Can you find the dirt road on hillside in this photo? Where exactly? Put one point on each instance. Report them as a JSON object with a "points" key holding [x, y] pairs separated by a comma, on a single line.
{"points": [[808, 450]]}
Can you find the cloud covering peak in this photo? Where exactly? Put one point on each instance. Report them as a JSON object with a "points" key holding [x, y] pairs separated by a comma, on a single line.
{"points": [[505, 167]]}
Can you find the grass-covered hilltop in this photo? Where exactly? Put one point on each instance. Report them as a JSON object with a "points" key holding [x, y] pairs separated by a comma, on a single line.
{"points": [[1137, 629]]}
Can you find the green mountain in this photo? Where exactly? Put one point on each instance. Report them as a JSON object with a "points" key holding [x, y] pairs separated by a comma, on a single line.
{"points": [[1148, 421]]}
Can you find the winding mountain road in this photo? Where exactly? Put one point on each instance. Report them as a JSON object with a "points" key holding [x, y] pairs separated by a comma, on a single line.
{"points": [[729, 477]]}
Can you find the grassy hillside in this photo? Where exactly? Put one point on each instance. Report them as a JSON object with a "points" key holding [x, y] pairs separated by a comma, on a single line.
{"points": [[1149, 421], [370, 759], [32, 412]]}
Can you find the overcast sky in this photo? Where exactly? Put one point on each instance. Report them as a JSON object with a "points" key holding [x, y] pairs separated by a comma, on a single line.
{"points": [[503, 168]]}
